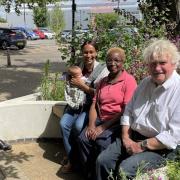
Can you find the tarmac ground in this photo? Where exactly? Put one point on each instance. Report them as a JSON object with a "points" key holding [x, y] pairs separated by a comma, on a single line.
{"points": [[24, 75]]}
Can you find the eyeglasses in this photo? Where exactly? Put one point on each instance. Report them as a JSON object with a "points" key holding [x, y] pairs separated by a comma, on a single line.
{"points": [[115, 61]]}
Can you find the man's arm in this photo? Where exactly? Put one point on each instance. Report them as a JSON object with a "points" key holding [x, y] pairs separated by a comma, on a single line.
{"points": [[153, 144], [131, 146]]}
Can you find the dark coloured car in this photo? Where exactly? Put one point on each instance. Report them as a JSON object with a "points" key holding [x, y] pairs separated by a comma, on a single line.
{"points": [[10, 37]]}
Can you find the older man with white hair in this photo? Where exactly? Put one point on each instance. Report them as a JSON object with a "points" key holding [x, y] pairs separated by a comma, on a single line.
{"points": [[151, 121]]}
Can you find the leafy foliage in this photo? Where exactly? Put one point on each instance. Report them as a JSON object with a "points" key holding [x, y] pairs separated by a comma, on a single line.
{"points": [[2, 20], [56, 19], [173, 167], [131, 37], [52, 88], [162, 12], [106, 21], [40, 16], [17, 4]]}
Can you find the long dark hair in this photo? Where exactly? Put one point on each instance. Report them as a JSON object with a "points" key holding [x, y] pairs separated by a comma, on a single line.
{"points": [[92, 43]]}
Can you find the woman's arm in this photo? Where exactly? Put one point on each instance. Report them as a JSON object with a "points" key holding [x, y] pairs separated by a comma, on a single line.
{"points": [[81, 85], [92, 120]]}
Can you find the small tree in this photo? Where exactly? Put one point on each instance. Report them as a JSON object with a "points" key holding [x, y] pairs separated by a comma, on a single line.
{"points": [[40, 16], [106, 21], [56, 19], [2, 20]]}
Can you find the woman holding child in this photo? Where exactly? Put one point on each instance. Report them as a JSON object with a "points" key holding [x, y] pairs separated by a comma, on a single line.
{"points": [[112, 94], [75, 117]]}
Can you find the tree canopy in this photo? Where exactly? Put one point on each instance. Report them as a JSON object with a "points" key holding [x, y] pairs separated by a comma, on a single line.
{"points": [[17, 4]]}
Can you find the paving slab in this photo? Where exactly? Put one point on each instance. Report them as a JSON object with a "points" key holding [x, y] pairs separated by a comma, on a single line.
{"points": [[34, 161]]}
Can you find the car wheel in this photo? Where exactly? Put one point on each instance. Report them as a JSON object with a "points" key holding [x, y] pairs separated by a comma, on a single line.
{"points": [[46, 37], [21, 47], [4, 45]]}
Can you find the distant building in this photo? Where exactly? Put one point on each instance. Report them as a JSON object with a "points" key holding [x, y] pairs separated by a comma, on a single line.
{"points": [[84, 11]]}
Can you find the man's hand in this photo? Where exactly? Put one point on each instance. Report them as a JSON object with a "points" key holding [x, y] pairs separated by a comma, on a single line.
{"points": [[131, 146]]}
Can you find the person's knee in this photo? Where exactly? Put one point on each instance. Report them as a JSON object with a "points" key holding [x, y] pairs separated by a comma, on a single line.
{"points": [[102, 160], [61, 123], [77, 128]]}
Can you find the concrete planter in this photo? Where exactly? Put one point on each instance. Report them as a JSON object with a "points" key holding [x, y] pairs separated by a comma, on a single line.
{"points": [[28, 117]]}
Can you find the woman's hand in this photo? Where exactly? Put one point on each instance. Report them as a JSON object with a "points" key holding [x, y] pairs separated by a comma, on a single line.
{"points": [[89, 131], [97, 131], [77, 82], [131, 146]]}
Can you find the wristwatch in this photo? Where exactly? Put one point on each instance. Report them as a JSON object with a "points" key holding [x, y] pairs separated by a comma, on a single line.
{"points": [[144, 144]]}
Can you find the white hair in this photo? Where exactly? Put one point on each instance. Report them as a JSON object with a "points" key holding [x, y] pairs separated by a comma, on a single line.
{"points": [[159, 48]]}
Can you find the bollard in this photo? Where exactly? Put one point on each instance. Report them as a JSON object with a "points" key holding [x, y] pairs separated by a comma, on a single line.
{"points": [[8, 57]]}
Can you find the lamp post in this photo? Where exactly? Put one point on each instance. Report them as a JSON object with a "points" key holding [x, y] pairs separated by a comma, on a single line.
{"points": [[73, 32], [24, 15], [118, 4]]}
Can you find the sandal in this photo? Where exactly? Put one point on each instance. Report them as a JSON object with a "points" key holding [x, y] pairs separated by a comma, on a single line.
{"points": [[67, 169]]}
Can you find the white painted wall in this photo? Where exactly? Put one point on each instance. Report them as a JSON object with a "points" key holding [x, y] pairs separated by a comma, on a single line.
{"points": [[20, 119]]}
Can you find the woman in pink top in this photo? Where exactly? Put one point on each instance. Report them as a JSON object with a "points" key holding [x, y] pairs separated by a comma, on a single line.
{"points": [[113, 93]]}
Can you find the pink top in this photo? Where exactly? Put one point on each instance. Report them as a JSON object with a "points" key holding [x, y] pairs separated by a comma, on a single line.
{"points": [[114, 97]]}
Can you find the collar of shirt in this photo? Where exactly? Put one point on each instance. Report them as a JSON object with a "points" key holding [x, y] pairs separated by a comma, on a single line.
{"points": [[121, 77]]}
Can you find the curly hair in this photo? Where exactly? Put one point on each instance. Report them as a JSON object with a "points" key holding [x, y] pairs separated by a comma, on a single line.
{"points": [[159, 48]]}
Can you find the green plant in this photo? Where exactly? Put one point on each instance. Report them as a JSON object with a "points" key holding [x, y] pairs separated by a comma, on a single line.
{"points": [[40, 15], [173, 169], [106, 21], [131, 37], [56, 19], [2, 20], [52, 88]]}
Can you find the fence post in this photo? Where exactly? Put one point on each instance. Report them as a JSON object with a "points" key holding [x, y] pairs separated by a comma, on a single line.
{"points": [[8, 57]]}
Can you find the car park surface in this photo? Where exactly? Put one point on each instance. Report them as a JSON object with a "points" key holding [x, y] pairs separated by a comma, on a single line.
{"points": [[9, 37], [25, 73]]}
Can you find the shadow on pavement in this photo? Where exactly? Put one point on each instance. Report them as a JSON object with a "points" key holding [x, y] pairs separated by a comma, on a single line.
{"points": [[7, 163], [16, 81]]}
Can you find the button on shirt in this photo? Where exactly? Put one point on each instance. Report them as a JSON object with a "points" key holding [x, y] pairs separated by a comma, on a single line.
{"points": [[154, 111]]}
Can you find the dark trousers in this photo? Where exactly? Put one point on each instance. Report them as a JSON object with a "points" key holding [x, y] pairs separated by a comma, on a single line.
{"points": [[89, 149], [115, 158]]}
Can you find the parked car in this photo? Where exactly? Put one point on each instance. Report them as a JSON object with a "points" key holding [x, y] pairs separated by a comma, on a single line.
{"points": [[29, 33], [9, 37], [66, 35], [39, 33], [48, 33]]}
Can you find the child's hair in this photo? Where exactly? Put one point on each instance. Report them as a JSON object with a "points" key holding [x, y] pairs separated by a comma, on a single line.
{"points": [[73, 69]]}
